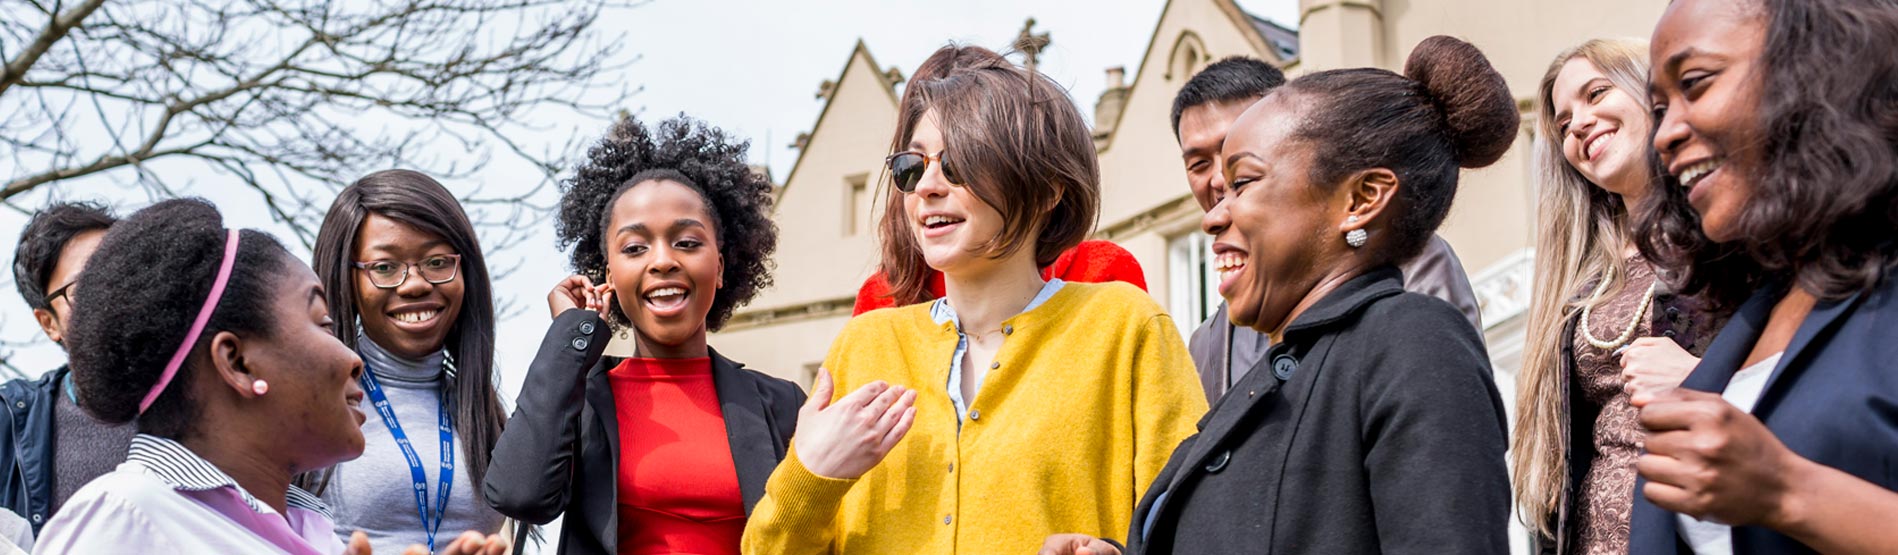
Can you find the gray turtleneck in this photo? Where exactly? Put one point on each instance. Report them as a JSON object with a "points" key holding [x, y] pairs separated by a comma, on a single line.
{"points": [[374, 493]]}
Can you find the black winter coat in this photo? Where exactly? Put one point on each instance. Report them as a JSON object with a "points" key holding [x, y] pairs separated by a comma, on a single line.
{"points": [[1373, 427]]}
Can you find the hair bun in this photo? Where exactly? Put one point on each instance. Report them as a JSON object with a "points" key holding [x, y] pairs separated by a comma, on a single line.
{"points": [[1479, 114]]}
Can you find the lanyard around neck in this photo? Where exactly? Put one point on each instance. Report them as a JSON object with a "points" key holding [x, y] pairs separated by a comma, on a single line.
{"points": [[419, 476]]}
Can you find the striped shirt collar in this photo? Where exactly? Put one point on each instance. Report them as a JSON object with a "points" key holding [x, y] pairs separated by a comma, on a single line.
{"points": [[175, 465]]}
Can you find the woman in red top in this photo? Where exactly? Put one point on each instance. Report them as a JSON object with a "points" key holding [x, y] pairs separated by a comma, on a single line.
{"points": [[666, 452]]}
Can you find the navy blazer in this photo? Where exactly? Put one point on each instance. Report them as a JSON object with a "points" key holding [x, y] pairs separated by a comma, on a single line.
{"points": [[1833, 399]]}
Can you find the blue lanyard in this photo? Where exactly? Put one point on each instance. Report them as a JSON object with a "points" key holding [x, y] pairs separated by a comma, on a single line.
{"points": [[446, 479]]}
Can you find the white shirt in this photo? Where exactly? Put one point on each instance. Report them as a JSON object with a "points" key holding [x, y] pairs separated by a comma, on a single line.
{"points": [[1743, 391], [164, 499]]}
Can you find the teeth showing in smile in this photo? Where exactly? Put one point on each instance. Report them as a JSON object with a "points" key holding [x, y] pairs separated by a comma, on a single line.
{"points": [[416, 317], [1228, 264], [1694, 173], [1594, 147], [934, 221], [665, 293]]}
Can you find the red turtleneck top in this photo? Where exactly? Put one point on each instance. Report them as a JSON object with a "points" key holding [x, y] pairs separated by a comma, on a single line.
{"points": [[678, 488]]}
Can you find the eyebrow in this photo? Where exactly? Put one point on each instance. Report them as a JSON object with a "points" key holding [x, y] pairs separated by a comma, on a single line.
{"points": [[1583, 90], [1230, 160], [316, 294], [390, 248], [1673, 62], [640, 227]]}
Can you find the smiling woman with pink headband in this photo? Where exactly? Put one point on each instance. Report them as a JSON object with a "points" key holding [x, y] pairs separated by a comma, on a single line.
{"points": [[216, 343]]}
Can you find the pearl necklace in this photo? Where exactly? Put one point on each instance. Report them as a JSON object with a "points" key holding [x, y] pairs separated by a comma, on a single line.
{"points": [[1647, 300]]}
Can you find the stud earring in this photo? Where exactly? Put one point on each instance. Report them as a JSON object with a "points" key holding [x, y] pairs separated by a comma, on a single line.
{"points": [[260, 387], [1355, 237]]}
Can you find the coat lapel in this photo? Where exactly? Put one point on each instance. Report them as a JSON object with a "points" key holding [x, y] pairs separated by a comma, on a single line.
{"points": [[1731, 345], [1220, 421], [753, 452], [1821, 321]]}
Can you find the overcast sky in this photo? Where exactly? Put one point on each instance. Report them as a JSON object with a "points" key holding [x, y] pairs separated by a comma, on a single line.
{"points": [[752, 68]]}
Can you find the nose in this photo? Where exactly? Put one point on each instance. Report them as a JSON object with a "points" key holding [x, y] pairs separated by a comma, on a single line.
{"points": [[1217, 184], [1670, 134], [414, 285], [1217, 219], [664, 260], [1581, 123], [933, 184]]}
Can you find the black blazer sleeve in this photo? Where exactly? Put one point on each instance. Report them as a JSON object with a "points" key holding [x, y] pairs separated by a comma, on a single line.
{"points": [[1435, 437], [531, 473]]}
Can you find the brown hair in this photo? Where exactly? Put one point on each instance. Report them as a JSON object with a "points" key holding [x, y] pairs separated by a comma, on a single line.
{"points": [[1825, 197], [1018, 143], [1580, 233], [1449, 109]]}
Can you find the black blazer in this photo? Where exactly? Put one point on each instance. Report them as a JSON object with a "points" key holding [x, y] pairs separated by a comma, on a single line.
{"points": [[1374, 426], [560, 452], [1833, 399]]}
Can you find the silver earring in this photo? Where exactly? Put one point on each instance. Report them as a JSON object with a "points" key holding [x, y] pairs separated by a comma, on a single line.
{"points": [[1355, 237]]}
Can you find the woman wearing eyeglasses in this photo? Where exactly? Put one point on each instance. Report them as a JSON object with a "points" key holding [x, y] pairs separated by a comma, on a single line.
{"points": [[409, 289], [1031, 406]]}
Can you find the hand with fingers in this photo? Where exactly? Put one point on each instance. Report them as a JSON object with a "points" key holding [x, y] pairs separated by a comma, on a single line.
{"points": [[577, 291], [1708, 459], [846, 438], [1653, 364], [1076, 544]]}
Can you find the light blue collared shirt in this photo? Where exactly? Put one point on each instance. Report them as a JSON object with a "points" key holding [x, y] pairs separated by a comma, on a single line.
{"points": [[941, 312]]}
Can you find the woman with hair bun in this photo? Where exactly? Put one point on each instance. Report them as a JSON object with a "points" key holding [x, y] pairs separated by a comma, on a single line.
{"points": [[220, 346], [1377, 428], [668, 451]]}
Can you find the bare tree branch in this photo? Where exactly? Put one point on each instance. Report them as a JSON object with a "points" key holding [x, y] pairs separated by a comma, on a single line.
{"points": [[293, 98], [56, 29]]}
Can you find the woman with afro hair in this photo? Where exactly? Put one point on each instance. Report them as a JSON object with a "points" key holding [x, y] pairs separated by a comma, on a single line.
{"points": [[668, 451]]}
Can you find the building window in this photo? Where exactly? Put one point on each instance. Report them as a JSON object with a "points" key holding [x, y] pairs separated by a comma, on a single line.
{"points": [[856, 204], [1193, 287], [1187, 57]]}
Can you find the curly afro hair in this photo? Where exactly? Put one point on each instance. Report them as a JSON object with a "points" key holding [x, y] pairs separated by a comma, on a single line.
{"points": [[698, 156], [138, 296]]}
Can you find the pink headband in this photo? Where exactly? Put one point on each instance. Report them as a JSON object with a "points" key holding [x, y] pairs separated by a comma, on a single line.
{"points": [[197, 326]]}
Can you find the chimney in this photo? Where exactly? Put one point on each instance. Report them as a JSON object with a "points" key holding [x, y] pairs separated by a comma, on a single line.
{"points": [[1107, 109]]}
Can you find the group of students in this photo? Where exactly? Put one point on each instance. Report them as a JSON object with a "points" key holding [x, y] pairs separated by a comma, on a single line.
{"points": [[1707, 367]]}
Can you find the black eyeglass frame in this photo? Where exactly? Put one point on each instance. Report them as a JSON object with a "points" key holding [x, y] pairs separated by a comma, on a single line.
{"points": [[407, 269]]}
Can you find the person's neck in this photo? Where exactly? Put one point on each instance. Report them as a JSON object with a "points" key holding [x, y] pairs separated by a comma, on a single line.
{"points": [[985, 297], [1326, 284], [693, 347], [1630, 202], [252, 467]]}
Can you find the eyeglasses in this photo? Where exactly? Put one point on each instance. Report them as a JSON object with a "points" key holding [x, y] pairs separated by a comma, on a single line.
{"points": [[62, 291], [390, 274], [906, 169]]}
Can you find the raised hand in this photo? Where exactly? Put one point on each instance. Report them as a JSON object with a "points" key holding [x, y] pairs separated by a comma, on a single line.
{"points": [[576, 291], [1708, 459], [844, 439], [1653, 364], [1076, 544]]}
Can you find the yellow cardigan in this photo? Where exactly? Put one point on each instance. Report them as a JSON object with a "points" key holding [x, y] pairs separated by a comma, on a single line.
{"points": [[1093, 391]]}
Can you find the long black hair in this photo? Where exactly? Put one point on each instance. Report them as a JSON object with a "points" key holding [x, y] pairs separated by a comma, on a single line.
{"points": [[419, 201]]}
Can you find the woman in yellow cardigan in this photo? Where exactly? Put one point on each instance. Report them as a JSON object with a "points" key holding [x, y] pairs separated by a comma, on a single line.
{"points": [[1019, 407]]}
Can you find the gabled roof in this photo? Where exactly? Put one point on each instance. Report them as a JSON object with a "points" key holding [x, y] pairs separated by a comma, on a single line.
{"points": [[888, 87], [1255, 29]]}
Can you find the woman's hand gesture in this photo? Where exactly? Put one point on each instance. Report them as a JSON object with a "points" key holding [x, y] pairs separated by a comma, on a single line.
{"points": [[844, 439], [579, 292]]}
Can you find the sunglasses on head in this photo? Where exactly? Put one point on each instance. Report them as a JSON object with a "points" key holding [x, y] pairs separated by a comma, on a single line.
{"points": [[906, 169]]}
